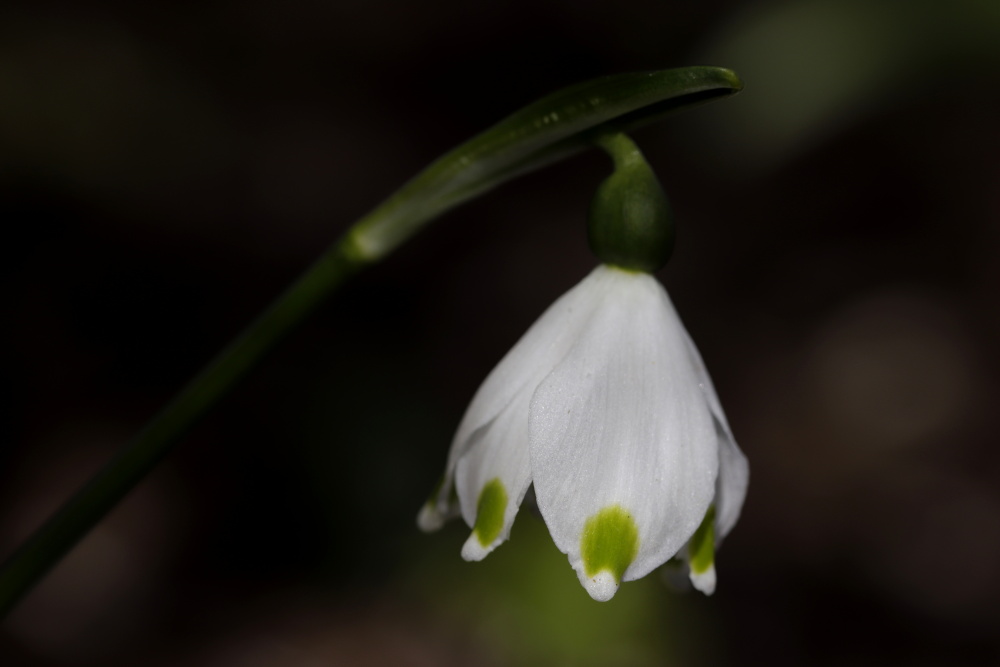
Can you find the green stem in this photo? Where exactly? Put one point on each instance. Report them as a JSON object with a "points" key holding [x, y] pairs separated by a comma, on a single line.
{"points": [[91, 503], [619, 147]]}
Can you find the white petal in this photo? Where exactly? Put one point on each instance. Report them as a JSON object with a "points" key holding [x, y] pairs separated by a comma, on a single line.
{"points": [[704, 581], [698, 555], [602, 586], [530, 360], [622, 422], [705, 382], [432, 516], [734, 469], [498, 459], [731, 487]]}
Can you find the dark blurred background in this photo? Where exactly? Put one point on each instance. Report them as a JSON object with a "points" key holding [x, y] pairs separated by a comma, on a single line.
{"points": [[166, 169]]}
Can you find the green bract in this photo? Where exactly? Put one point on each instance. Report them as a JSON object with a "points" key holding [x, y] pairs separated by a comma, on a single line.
{"points": [[630, 224]]}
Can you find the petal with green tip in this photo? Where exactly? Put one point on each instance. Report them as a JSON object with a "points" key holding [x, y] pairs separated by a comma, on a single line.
{"points": [[492, 478], [492, 440], [701, 554], [621, 421], [484, 426], [490, 520], [434, 513]]}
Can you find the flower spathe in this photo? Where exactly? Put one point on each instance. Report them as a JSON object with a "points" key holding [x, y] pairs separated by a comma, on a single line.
{"points": [[605, 406]]}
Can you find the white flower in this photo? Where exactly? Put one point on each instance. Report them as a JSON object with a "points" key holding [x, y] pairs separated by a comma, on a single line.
{"points": [[605, 406]]}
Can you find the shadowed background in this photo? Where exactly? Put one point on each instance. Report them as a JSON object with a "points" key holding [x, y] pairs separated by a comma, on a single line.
{"points": [[167, 169]]}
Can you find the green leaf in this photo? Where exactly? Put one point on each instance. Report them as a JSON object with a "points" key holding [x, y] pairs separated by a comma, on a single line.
{"points": [[541, 133]]}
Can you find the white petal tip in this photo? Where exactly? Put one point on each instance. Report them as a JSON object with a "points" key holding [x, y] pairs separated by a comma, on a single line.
{"points": [[602, 586], [704, 581], [430, 519], [473, 550]]}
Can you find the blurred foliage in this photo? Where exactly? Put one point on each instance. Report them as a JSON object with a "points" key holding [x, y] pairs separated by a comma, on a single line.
{"points": [[525, 605], [817, 66]]}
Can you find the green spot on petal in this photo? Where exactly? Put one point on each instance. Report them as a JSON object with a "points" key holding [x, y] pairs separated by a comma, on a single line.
{"points": [[702, 546], [610, 542], [490, 511]]}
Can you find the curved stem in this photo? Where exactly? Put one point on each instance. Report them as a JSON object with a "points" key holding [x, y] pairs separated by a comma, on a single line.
{"points": [[541, 133], [619, 147]]}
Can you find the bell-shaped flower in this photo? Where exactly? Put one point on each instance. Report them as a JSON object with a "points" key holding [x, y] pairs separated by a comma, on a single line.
{"points": [[605, 408]]}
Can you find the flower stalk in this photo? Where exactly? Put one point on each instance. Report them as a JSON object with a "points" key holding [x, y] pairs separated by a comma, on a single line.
{"points": [[541, 133]]}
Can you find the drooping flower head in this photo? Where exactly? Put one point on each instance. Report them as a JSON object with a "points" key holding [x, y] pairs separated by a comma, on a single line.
{"points": [[605, 408]]}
